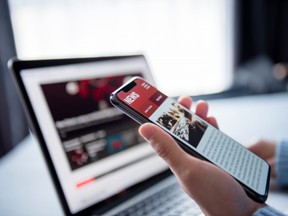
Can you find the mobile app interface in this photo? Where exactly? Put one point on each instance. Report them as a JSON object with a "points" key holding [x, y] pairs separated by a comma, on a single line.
{"points": [[197, 134]]}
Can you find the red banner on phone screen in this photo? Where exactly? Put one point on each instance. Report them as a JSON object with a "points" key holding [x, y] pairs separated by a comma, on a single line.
{"points": [[143, 97]]}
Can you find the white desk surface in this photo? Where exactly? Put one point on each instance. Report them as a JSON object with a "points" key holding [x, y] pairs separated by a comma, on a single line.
{"points": [[26, 187]]}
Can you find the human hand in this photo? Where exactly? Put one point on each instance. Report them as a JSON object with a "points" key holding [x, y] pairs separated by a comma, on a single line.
{"points": [[266, 149], [216, 192]]}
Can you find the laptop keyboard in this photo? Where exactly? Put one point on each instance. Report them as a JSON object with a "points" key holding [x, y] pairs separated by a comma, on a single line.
{"points": [[170, 201]]}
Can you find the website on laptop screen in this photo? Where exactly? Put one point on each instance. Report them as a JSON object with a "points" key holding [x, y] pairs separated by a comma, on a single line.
{"points": [[95, 149]]}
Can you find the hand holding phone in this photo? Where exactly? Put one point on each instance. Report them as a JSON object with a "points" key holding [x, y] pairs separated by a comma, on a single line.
{"points": [[144, 103], [216, 192]]}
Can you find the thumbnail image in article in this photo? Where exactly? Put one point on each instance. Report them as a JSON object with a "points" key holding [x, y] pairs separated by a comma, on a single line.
{"points": [[183, 124], [89, 127]]}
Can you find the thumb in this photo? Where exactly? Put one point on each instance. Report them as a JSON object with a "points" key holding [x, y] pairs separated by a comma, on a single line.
{"points": [[166, 147]]}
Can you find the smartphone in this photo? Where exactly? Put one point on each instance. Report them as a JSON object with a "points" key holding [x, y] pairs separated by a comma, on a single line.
{"points": [[144, 103]]}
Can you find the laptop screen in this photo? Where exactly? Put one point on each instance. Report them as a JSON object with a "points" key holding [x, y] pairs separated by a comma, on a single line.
{"points": [[95, 150]]}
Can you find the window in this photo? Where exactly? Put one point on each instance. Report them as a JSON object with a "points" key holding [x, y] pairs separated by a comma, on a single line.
{"points": [[187, 43]]}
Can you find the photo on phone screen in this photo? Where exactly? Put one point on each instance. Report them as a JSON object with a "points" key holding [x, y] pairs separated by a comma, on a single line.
{"points": [[144, 103]]}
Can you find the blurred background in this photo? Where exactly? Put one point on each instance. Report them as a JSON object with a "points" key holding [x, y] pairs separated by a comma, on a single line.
{"points": [[223, 48]]}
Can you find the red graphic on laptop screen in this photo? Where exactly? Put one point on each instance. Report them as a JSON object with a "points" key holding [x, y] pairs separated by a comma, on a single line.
{"points": [[83, 114], [143, 97]]}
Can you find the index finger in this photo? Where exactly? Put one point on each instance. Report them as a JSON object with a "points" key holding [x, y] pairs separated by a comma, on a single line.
{"points": [[186, 101]]}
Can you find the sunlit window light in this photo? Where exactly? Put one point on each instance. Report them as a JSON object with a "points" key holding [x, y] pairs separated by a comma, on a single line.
{"points": [[187, 43]]}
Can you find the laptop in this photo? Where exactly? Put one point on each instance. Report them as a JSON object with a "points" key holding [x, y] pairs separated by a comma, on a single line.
{"points": [[98, 162]]}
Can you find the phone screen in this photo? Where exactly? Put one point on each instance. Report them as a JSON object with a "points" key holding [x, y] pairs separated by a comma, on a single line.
{"points": [[198, 135]]}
